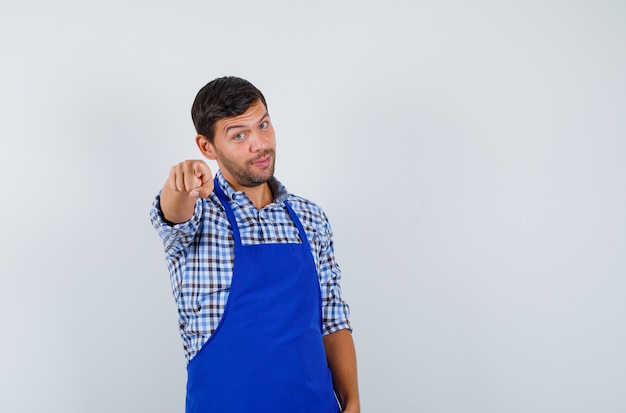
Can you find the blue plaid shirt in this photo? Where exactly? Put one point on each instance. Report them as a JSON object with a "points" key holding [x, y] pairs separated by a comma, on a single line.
{"points": [[199, 255]]}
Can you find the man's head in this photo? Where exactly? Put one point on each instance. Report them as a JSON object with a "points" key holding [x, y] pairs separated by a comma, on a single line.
{"points": [[234, 128], [223, 97]]}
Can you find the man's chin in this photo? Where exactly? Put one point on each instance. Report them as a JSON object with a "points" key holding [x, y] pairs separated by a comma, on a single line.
{"points": [[252, 181]]}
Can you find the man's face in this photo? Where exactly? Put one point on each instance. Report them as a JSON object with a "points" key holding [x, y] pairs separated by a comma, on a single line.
{"points": [[245, 147]]}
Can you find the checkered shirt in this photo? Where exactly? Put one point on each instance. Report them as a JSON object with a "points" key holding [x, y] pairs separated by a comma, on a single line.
{"points": [[200, 256]]}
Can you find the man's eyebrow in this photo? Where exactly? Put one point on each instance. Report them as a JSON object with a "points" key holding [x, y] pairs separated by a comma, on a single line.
{"points": [[228, 128]]}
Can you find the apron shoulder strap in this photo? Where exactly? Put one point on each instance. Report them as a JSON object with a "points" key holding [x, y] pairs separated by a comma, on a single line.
{"points": [[229, 211]]}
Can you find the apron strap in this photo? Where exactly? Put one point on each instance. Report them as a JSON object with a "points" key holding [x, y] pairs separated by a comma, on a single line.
{"points": [[296, 221], [229, 211]]}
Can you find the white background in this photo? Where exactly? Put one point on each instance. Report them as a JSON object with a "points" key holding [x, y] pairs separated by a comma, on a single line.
{"points": [[470, 156]]}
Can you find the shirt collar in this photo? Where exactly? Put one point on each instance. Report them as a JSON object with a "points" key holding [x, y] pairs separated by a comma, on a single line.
{"points": [[278, 190]]}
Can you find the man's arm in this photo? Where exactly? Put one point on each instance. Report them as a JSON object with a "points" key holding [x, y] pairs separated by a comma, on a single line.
{"points": [[186, 182], [341, 357]]}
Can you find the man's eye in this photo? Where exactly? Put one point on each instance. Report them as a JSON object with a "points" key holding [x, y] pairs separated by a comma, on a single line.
{"points": [[264, 125], [239, 136]]}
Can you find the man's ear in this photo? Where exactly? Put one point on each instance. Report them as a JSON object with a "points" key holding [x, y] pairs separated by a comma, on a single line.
{"points": [[205, 147]]}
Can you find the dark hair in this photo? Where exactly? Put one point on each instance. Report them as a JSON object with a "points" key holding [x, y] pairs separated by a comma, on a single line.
{"points": [[221, 98]]}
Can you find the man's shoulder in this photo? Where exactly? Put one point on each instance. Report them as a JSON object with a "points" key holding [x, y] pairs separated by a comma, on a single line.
{"points": [[306, 207], [302, 201]]}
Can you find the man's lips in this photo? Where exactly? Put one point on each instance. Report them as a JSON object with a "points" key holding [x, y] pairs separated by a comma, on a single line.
{"points": [[263, 160]]}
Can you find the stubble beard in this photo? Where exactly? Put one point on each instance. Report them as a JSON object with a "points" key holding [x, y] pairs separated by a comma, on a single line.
{"points": [[243, 173]]}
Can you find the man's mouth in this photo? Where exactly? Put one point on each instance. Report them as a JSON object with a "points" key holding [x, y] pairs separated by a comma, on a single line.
{"points": [[262, 160]]}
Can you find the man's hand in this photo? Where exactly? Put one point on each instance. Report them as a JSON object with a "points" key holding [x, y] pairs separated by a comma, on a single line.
{"points": [[187, 181], [193, 177]]}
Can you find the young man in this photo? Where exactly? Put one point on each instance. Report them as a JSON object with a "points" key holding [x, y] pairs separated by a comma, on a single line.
{"points": [[253, 271]]}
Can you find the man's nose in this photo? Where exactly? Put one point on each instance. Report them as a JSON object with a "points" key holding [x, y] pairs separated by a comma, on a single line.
{"points": [[257, 142]]}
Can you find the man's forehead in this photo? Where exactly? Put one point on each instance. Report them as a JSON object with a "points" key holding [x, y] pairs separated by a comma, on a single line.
{"points": [[255, 112]]}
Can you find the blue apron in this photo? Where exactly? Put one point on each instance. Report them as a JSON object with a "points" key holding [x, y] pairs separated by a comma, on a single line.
{"points": [[267, 353]]}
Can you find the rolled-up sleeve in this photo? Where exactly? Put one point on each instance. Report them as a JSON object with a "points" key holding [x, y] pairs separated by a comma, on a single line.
{"points": [[335, 311], [176, 238]]}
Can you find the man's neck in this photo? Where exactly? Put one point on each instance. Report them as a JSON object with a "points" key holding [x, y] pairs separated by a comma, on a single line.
{"points": [[259, 195]]}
